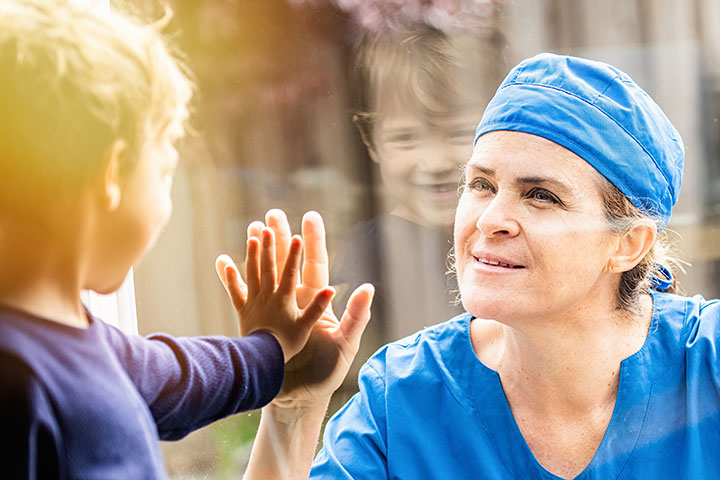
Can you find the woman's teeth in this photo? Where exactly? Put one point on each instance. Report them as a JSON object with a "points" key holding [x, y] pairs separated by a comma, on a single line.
{"points": [[499, 264]]}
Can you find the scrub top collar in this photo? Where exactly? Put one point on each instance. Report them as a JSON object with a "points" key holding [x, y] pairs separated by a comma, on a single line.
{"points": [[479, 388]]}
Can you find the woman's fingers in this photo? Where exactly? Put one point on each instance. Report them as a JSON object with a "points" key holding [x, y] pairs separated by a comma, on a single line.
{"points": [[277, 220], [357, 314], [315, 267], [269, 250]]}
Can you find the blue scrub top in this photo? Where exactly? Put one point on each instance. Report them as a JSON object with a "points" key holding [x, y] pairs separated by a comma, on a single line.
{"points": [[429, 409]]}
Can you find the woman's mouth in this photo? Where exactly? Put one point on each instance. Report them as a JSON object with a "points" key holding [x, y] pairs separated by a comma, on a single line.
{"points": [[496, 263]]}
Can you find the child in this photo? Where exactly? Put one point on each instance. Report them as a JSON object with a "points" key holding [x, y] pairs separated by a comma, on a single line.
{"points": [[90, 108]]}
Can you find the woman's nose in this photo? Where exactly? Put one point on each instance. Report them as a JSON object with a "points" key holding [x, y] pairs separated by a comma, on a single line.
{"points": [[499, 218]]}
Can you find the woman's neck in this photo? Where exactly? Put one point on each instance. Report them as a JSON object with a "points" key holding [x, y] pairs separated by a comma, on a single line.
{"points": [[563, 368]]}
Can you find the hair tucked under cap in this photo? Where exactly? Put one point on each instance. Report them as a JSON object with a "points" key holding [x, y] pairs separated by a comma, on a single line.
{"points": [[600, 114]]}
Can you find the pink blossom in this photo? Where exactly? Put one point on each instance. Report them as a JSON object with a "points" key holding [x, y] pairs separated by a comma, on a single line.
{"points": [[447, 15]]}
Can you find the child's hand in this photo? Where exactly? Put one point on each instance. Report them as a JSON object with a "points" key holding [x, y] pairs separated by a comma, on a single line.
{"points": [[263, 303], [320, 368]]}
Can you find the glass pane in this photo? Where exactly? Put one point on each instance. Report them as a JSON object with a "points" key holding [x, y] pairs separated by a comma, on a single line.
{"points": [[364, 111]]}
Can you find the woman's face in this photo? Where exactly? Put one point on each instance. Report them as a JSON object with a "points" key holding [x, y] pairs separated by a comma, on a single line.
{"points": [[530, 234]]}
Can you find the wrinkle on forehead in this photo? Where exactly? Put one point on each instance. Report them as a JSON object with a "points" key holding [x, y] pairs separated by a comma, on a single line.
{"points": [[528, 157]]}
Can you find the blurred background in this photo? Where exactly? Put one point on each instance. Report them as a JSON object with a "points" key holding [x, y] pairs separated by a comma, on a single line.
{"points": [[363, 110]]}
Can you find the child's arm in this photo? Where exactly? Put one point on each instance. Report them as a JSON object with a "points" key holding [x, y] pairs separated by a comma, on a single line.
{"points": [[190, 382], [290, 426]]}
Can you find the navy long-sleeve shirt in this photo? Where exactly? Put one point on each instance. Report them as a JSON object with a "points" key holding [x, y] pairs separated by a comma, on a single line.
{"points": [[93, 403]]}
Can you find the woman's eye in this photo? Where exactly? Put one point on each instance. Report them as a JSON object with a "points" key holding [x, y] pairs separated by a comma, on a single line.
{"points": [[542, 195], [481, 185]]}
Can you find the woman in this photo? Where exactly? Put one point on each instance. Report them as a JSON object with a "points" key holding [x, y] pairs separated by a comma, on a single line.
{"points": [[572, 360]]}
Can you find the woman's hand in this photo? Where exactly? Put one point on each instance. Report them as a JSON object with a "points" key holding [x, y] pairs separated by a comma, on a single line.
{"points": [[290, 425], [319, 369]]}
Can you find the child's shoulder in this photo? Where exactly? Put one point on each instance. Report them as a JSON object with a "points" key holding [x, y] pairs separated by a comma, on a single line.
{"points": [[70, 384], [46, 346], [23, 361], [19, 333]]}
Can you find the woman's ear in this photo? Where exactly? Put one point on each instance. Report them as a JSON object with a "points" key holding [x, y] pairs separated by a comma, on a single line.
{"points": [[111, 188], [632, 246], [365, 139]]}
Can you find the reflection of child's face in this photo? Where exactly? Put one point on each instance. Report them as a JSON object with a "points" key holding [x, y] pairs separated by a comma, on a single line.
{"points": [[420, 160]]}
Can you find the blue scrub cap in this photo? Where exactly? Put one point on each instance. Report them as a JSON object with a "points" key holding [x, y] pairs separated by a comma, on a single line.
{"points": [[600, 114]]}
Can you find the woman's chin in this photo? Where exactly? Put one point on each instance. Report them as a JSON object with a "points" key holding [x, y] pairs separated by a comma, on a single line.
{"points": [[484, 310], [491, 306]]}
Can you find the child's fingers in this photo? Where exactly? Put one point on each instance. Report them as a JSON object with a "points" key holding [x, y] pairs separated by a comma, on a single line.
{"points": [[290, 274], [357, 314], [317, 307], [277, 220], [315, 267], [221, 262], [252, 267], [236, 288], [268, 273]]}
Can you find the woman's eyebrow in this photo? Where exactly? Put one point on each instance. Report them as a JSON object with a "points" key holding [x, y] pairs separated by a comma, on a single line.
{"points": [[532, 180], [556, 184], [478, 168]]}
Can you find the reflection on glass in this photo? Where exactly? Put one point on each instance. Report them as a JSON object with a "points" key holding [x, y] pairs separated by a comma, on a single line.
{"points": [[418, 94], [279, 85]]}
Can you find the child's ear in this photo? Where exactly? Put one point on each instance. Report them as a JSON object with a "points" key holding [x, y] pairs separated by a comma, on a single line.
{"points": [[633, 246], [364, 135], [112, 190]]}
